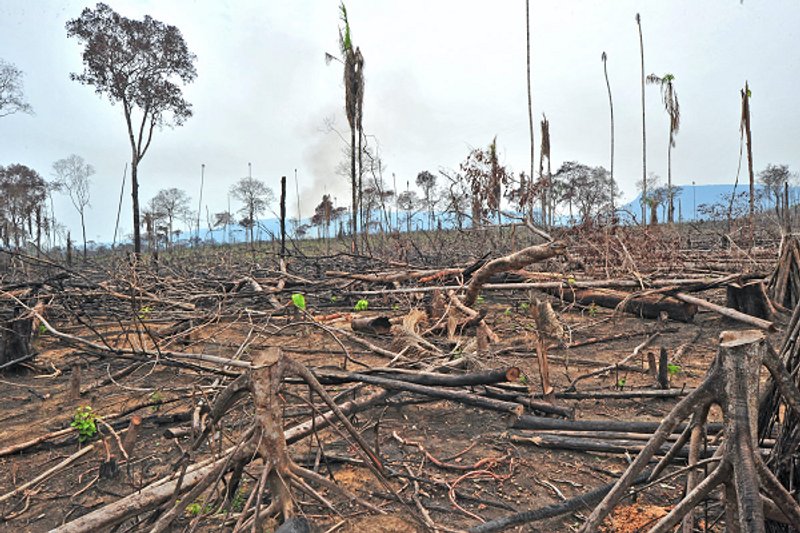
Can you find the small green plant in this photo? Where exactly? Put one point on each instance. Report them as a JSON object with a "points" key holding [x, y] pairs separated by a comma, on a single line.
{"points": [[238, 501], [673, 369], [156, 398], [299, 301], [334, 299], [144, 312], [42, 329], [197, 508], [479, 300], [524, 306], [593, 310], [621, 383], [570, 281], [395, 307], [361, 305], [523, 378], [84, 420], [507, 312]]}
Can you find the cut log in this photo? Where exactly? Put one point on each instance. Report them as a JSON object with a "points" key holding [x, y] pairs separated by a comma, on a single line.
{"points": [[650, 306], [378, 325]]}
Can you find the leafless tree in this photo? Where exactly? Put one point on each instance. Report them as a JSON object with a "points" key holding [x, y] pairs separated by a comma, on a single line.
{"points": [[604, 58], [427, 182], [172, 203], [644, 128], [774, 178], [72, 174], [12, 99], [255, 197], [136, 63]]}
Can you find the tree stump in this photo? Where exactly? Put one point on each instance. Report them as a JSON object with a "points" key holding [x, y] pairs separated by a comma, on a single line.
{"points": [[750, 298], [751, 491], [15, 335]]}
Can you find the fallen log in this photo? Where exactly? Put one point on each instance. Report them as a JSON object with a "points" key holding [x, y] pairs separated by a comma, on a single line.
{"points": [[513, 261], [726, 311], [541, 423], [594, 444], [441, 393], [378, 325], [650, 306]]}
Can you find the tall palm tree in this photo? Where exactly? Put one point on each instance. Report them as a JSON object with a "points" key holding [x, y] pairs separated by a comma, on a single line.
{"points": [[644, 129], [604, 58], [353, 63], [673, 109], [530, 98]]}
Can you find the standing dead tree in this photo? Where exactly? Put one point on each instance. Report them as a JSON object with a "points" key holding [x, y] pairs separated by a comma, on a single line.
{"points": [[135, 63], [73, 173], [751, 491]]}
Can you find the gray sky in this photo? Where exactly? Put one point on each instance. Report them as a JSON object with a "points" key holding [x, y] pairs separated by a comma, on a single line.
{"points": [[441, 77]]}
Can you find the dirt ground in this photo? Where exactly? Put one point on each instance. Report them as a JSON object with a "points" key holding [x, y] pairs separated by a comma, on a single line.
{"points": [[484, 476]]}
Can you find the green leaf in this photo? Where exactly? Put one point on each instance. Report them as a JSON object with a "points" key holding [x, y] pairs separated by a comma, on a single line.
{"points": [[361, 305], [299, 301]]}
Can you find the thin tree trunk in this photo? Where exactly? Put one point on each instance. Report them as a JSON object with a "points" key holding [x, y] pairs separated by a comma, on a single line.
{"points": [[137, 237], [283, 216], [530, 98], [644, 129], [353, 184], [611, 108], [746, 120], [83, 229], [670, 205]]}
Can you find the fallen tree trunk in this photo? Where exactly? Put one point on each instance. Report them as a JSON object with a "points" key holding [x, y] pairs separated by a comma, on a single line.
{"points": [[650, 306], [726, 311], [513, 261]]}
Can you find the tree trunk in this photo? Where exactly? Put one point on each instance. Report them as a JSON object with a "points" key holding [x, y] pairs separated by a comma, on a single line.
{"points": [[746, 121], [611, 108], [83, 230], [283, 216], [644, 129], [15, 335], [137, 237], [353, 184], [530, 97], [670, 202]]}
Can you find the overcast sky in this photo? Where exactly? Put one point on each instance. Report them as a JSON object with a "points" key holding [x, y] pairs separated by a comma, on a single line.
{"points": [[441, 77]]}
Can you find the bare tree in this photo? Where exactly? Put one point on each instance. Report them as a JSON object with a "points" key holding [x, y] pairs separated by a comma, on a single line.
{"points": [[72, 174], [12, 99], [173, 204], [139, 64], [673, 109], [530, 95], [427, 182], [408, 201], [644, 128], [774, 178], [255, 197], [604, 58]]}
